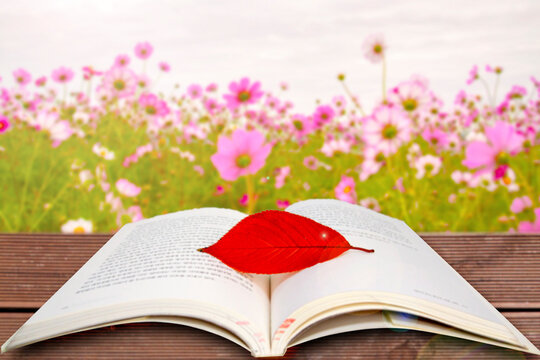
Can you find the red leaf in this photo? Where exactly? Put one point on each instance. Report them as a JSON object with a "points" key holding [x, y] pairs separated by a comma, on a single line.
{"points": [[272, 242]]}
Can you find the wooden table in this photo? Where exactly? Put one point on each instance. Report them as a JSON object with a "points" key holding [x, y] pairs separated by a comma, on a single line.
{"points": [[505, 268]]}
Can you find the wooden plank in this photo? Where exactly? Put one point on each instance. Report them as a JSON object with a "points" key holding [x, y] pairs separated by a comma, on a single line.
{"points": [[505, 268], [165, 341]]}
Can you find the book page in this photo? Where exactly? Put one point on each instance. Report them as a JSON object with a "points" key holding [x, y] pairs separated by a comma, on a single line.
{"points": [[157, 259], [401, 264]]}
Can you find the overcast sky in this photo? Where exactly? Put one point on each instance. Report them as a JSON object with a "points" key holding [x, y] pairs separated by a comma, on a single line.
{"points": [[306, 43]]}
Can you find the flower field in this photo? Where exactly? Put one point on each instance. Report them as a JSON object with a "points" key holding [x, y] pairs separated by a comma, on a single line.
{"points": [[91, 158]]}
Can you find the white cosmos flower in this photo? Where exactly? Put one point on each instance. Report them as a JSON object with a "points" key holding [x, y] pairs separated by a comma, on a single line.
{"points": [[79, 226]]}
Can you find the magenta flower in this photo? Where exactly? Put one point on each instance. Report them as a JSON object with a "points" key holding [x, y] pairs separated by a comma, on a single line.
{"points": [[127, 188], [374, 48], [4, 124], [165, 67], [530, 227], [41, 81], [387, 129], [22, 77], [242, 154], [194, 91], [345, 190], [153, 106], [504, 141], [473, 75], [242, 92], [62, 75], [120, 82], [323, 115], [282, 204], [143, 50], [122, 60]]}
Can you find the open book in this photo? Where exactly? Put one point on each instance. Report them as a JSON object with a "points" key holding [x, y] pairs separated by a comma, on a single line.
{"points": [[151, 271]]}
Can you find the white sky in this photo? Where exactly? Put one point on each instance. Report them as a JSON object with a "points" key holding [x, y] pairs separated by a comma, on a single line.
{"points": [[305, 43]]}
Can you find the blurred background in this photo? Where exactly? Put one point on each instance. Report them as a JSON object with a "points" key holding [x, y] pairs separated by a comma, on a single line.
{"points": [[116, 111]]}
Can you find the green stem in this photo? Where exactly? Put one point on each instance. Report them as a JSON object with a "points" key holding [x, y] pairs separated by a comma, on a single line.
{"points": [[404, 212], [250, 193], [9, 228], [27, 180], [495, 89], [353, 99], [384, 79], [528, 189], [60, 193], [490, 99]]}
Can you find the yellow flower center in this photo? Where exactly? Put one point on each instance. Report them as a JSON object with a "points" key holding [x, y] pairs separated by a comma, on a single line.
{"points": [[347, 189], [119, 85], [377, 49], [244, 96], [389, 131], [409, 104], [502, 158], [151, 110], [298, 125], [79, 230], [243, 161]]}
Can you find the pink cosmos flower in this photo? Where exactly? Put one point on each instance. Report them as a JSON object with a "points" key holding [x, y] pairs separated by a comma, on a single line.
{"points": [[429, 165], [323, 115], [530, 227], [62, 75], [89, 72], [143, 82], [339, 103], [411, 96], [243, 201], [22, 77], [58, 130], [281, 175], [436, 137], [374, 48], [220, 190], [345, 190], [212, 87], [301, 126], [4, 124], [282, 204], [473, 75], [388, 128], [462, 178], [495, 69], [127, 188], [243, 93], [153, 106], [242, 154], [370, 203], [143, 50], [341, 145], [164, 66], [517, 92], [120, 82], [520, 203], [311, 162], [41, 81], [504, 141], [194, 91], [122, 60], [212, 106]]}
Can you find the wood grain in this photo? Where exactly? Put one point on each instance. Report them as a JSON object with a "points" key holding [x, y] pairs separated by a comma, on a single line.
{"points": [[505, 268]]}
